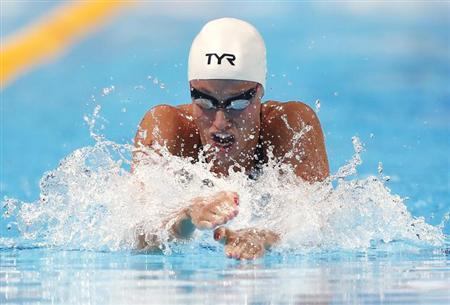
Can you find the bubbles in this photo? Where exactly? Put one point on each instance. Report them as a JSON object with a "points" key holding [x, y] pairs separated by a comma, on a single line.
{"points": [[155, 81], [108, 90], [91, 121], [380, 172], [9, 206], [317, 105], [380, 168]]}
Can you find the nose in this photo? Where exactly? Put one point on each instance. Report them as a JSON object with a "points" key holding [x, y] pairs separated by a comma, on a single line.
{"points": [[221, 121]]}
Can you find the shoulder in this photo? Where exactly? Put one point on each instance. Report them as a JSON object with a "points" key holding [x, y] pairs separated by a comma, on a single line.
{"points": [[167, 112], [292, 109]]}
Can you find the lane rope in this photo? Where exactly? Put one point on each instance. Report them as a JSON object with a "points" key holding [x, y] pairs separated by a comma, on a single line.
{"points": [[52, 34]]}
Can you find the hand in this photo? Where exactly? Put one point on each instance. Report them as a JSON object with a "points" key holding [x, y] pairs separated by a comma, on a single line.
{"points": [[245, 243], [210, 212]]}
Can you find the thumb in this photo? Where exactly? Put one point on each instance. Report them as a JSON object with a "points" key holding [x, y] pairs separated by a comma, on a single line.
{"points": [[224, 235]]}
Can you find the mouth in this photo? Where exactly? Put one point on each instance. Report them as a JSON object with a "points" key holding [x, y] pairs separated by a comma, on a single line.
{"points": [[222, 140]]}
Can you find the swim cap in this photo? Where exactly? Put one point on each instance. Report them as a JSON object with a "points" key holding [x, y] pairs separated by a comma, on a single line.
{"points": [[228, 48]]}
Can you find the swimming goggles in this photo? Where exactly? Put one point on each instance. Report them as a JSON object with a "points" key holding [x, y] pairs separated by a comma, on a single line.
{"points": [[207, 102]]}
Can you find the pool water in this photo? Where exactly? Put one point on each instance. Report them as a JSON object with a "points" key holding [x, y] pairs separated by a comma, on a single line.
{"points": [[377, 74], [200, 276]]}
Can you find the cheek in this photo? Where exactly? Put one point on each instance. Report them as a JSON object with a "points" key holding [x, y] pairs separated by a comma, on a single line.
{"points": [[248, 120], [201, 118]]}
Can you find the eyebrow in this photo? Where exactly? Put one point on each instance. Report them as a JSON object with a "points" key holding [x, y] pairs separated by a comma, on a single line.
{"points": [[195, 93], [199, 94]]}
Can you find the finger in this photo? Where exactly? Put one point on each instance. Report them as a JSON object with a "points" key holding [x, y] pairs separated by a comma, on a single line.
{"points": [[229, 250], [218, 220], [235, 248], [236, 199], [246, 251], [204, 225], [231, 235], [225, 235], [242, 250], [253, 252], [219, 208], [214, 219], [249, 256], [230, 239], [211, 217], [220, 235], [226, 211], [231, 197]]}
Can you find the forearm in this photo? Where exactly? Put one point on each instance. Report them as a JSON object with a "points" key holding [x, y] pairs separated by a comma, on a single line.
{"points": [[181, 226], [200, 213]]}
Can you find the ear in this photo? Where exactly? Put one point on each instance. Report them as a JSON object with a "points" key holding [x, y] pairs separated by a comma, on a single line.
{"points": [[260, 90]]}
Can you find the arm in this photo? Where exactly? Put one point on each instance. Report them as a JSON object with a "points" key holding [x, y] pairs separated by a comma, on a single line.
{"points": [[172, 128], [294, 131], [169, 127], [202, 213]]}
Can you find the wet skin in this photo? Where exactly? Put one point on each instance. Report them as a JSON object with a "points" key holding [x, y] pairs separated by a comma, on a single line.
{"points": [[231, 137]]}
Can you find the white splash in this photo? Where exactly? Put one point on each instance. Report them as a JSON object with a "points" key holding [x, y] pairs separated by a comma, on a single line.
{"points": [[91, 201]]}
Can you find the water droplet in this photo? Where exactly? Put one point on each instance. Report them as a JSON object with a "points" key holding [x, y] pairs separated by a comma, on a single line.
{"points": [[317, 103], [380, 168], [108, 90]]}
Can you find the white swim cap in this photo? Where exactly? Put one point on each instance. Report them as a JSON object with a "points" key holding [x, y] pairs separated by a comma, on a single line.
{"points": [[228, 48]]}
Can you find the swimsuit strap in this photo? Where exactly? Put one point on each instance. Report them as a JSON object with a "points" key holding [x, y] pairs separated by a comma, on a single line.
{"points": [[256, 171]]}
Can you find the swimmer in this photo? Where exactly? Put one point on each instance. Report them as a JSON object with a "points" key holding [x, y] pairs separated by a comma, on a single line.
{"points": [[228, 120]]}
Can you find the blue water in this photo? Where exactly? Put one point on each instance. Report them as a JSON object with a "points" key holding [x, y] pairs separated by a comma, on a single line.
{"points": [[381, 73]]}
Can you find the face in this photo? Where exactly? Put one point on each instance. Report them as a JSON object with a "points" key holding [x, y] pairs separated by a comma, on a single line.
{"points": [[227, 114]]}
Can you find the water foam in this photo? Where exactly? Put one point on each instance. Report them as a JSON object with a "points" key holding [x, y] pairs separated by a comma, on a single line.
{"points": [[91, 201]]}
